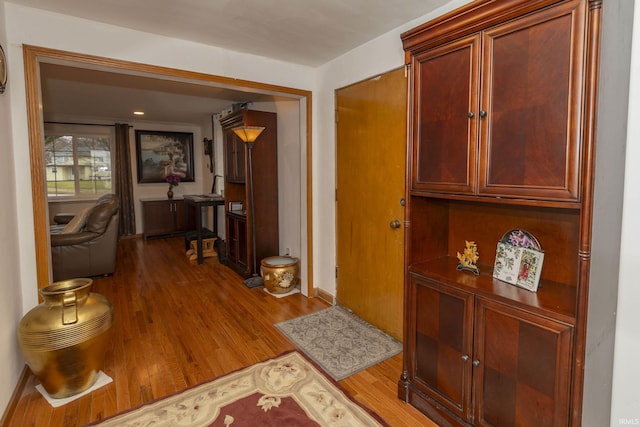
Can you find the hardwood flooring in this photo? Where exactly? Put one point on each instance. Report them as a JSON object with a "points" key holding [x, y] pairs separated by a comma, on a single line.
{"points": [[178, 324]]}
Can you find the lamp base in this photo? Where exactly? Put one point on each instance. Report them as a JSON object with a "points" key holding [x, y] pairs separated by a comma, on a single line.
{"points": [[254, 281]]}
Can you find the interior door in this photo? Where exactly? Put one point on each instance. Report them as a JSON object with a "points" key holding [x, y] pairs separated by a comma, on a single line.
{"points": [[371, 139]]}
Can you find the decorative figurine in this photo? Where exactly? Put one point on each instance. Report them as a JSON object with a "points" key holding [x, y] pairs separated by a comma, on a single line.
{"points": [[469, 258]]}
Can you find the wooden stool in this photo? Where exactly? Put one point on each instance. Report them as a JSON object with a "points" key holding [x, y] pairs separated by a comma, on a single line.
{"points": [[207, 249]]}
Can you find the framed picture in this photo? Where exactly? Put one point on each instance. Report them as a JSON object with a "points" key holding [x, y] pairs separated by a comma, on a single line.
{"points": [[164, 153], [518, 266]]}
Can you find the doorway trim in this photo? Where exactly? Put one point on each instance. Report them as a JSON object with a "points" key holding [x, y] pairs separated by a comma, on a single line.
{"points": [[34, 55]]}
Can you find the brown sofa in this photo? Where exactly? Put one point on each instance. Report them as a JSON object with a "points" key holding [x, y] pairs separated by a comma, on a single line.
{"points": [[90, 250]]}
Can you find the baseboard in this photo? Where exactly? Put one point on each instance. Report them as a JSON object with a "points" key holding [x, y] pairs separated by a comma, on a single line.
{"points": [[132, 236], [325, 296], [15, 397]]}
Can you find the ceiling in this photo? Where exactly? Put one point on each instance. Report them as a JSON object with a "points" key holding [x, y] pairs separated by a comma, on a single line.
{"points": [[307, 32], [71, 94]]}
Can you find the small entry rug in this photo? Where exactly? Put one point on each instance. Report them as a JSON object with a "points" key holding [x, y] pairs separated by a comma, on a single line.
{"points": [[339, 341], [285, 391]]}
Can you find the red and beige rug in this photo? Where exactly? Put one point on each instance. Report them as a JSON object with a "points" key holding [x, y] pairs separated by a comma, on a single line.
{"points": [[285, 391]]}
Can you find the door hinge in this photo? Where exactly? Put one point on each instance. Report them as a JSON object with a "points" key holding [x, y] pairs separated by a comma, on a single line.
{"points": [[336, 115], [336, 271], [336, 194]]}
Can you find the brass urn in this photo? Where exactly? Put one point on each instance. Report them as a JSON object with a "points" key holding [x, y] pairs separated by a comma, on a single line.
{"points": [[280, 273], [64, 339]]}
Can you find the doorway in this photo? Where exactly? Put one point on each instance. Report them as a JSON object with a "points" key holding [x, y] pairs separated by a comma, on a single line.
{"points": [[370, 168], [33, 56]]}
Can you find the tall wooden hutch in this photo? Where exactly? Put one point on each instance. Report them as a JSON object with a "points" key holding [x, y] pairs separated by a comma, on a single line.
{"points": [[237, 188], [502, 96]]}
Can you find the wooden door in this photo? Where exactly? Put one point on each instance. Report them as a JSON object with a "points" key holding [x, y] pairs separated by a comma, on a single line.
{"points": [[371, 141]]}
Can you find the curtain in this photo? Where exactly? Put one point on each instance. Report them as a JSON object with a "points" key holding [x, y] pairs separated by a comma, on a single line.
{"points": [[123, 182]]}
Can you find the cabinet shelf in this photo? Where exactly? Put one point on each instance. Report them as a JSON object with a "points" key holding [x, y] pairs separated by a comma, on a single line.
{"points": [[553, 300], [498, 200], [240, 215]]}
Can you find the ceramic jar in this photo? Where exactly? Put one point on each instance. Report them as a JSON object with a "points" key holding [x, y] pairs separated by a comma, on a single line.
{"points": [[65, 338], [280, 273]]}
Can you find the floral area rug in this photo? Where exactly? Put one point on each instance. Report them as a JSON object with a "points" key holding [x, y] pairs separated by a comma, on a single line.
{"points": [[286, 391], [339, 341]]}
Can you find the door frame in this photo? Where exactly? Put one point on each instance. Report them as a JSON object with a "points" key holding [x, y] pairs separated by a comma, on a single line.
{"points": [[340, 193], [34, 55]]}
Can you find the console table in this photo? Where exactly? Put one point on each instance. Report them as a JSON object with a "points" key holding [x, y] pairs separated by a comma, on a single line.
{"points": [[198, 202]]}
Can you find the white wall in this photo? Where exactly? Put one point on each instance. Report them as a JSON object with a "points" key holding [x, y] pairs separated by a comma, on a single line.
{"points": [[10, 279], [625, 408], [375, 57], [39, 28], [290, 170]]}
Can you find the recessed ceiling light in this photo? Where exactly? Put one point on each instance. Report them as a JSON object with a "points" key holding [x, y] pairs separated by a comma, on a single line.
{"points": [[138, 113]]}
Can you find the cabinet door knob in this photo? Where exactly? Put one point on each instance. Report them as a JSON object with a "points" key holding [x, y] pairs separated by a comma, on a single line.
{"points": [[465, 358], [395, 223], [471, 115], [476, 363], [483, 114]]}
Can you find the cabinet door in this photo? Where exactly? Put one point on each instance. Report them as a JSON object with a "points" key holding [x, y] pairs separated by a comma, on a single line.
{"points": [[234, 158], [443, 344], [232, 239], [445, 96], [530, 138], [178, 211], [229, 156], [523, 368], [159, 217], [239, 160], [237, 248], [243, 247]]}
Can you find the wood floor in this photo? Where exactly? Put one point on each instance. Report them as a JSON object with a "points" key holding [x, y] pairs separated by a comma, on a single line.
{"points": [[178, 324]]}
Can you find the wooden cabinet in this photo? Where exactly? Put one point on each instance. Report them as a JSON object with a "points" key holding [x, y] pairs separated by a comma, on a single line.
{"points": [[501, 137], [488, 362], [162, 217], [238, 186], [499, 97], [237, 242]]}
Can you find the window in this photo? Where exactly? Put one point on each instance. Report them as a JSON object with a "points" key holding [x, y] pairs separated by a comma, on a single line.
{"points": [[78, 161]]}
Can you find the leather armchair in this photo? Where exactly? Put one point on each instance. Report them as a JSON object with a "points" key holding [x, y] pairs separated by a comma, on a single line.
{"points": [[92, 250]]}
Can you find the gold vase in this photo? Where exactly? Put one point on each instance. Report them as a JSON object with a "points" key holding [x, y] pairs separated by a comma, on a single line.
{"points": [[280, 273], [64, 339]]}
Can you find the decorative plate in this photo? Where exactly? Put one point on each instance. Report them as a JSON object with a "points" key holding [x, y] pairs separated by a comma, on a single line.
{"points": [[521, 239]]}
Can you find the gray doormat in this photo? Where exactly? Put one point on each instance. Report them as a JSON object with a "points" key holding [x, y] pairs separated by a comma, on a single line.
{"points": [[339, 341]]}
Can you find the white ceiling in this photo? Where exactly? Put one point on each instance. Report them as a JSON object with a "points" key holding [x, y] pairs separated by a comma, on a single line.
{"points": [[308, 32], [71, 94]]}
